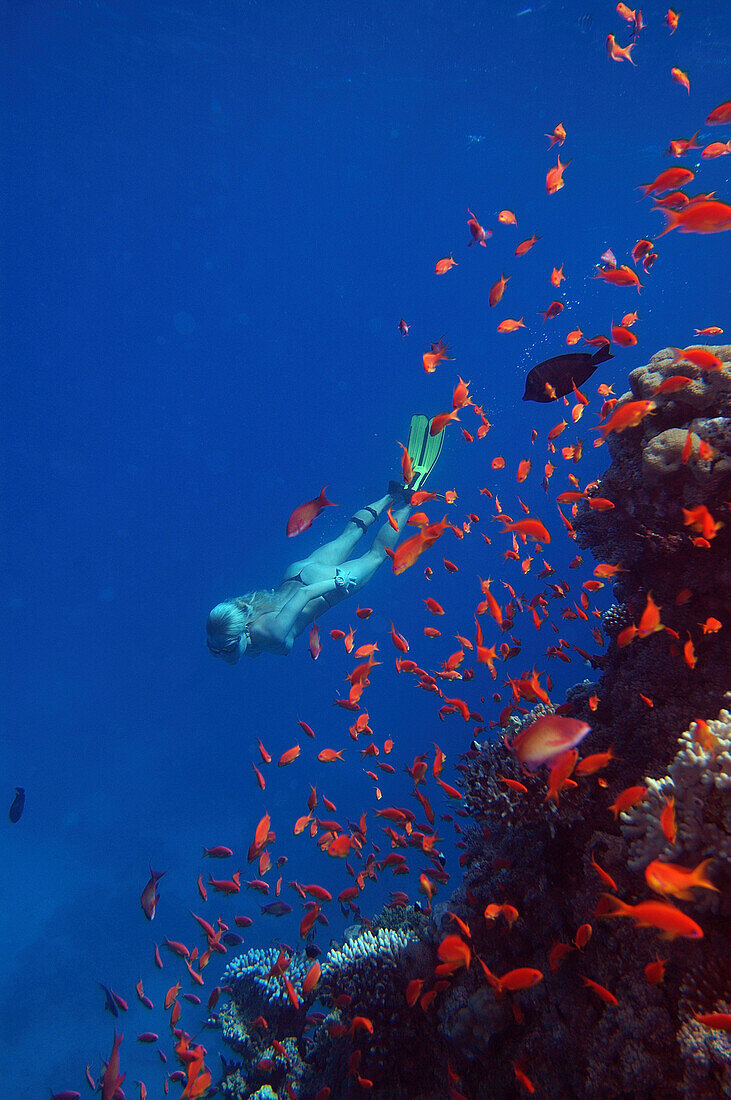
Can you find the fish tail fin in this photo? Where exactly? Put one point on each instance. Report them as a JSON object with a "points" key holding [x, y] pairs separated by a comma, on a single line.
{"points": [[700, 878], [601, 355], [673, 219], [614, 907]]}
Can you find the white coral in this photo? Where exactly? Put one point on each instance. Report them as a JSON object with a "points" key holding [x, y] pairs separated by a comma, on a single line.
{"points": [[699, 780]]}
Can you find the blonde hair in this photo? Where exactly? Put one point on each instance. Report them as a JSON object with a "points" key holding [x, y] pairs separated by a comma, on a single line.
{"points": [[230, 618]]}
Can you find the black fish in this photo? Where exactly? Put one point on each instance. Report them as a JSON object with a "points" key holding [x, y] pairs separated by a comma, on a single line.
{"points": [[561, 371], [18, 804]]}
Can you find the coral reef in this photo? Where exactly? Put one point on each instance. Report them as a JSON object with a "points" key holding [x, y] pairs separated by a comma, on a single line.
{"points": [[699, 782], [594, 1023]]}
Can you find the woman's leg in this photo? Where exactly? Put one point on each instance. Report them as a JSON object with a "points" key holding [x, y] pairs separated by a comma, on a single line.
{"points": [[340, 549], [362, 569]]}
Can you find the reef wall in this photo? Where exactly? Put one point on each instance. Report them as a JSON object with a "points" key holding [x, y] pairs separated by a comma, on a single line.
{"points": [[662, 711]]}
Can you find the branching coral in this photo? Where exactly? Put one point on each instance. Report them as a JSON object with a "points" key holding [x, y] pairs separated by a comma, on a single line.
{"points": [[699, 782]]}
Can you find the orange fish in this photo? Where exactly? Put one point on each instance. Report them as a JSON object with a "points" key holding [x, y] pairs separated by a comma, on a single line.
{"points": [[667, 820], [616, 276], [454, 953], [498, 289], [557, 277], [438, 353], [340, 846], [528, 528], [671, 20], [627, 798], [479, 235], [699, 519], [594, 763], [554, 178], [303, 516], [650, 620], [261, 833], [622, 336], [328, 756], [625, 416], [558, 136], [444, 265], [553, 311], [413, 990], [439, 422], [604, 875], [655, 971], [547, 739], [709, 216], [522, 978], [312, 977], [720, 115], [574, 336], [601, 991], [288, 756], [617, 53], [558, 777], [510, 325], [654, 914], [460, 397], [721, 1021], [700, 357], [523, 469], [507, 217], [716, 149], [672, 880], [526, 245], [681, 78]]}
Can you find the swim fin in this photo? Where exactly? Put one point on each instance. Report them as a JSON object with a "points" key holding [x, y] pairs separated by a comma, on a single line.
{"points": [[423, 449]]}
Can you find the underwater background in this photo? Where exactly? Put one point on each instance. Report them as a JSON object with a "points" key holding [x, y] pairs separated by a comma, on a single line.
{"points": [[214, 215]]}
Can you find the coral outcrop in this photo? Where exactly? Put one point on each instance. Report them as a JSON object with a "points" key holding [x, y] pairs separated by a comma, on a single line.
{"points": [[595, 1022]]}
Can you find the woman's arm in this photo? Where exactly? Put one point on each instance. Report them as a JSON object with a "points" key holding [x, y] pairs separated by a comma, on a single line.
{"points": [[287, 617]]}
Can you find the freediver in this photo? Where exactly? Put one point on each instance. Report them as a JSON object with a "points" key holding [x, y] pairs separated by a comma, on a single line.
{"points": [[268, 621]]}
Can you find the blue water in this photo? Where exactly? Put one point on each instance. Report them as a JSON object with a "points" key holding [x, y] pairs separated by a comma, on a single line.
{"points": [[213, 216]]}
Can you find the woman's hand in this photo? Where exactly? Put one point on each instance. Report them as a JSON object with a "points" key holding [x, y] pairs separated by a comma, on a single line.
{"points": [[344, 580]]}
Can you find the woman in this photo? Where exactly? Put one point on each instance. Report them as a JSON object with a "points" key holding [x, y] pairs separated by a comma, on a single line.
{"points": [[269, 621]]}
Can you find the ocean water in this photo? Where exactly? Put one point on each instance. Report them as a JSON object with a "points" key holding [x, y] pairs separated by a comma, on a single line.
{"points": [[214, 215]]}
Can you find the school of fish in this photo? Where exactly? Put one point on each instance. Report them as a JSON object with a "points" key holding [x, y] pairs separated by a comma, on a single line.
{"points": [[490, 641]]}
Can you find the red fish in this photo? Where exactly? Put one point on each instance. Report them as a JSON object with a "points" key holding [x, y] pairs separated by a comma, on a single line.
{"points": [[672, 880], [553, 311], [442, 266], [304, 515], [112, 1079], [709, 216], [666, 181], [479, 234], [557, 137], [619, 53], [498, 289], [681, 77], [288, 756], [720, 115], [526, 245], [510, 325], [601, 991], [546, 739], [654, 914], [314, 643], [554, 178]]}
